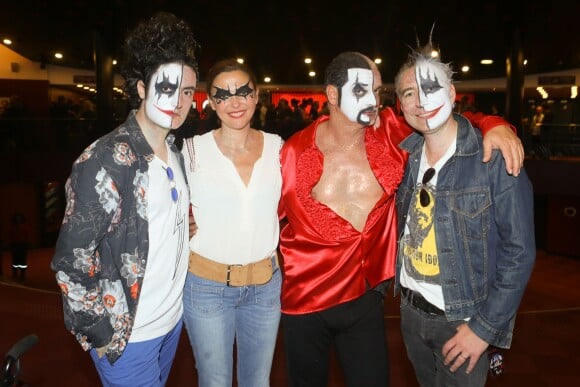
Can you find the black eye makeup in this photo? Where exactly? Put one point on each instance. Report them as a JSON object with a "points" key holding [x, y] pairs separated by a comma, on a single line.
{"points": [[428, 85], [165, 87], [222, 95]]}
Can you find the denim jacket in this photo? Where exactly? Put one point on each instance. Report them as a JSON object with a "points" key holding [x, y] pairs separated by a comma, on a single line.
{"points": [[103, 245], [484, 229]]}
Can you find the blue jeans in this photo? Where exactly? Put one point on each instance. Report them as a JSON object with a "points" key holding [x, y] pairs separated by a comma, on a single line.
{"points": [[424, 335], [146, 363], [216, 314]]}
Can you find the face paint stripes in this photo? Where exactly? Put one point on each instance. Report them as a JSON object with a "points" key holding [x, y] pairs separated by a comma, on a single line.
{"points": [[428, 85], [166, 87], [163, 96]]}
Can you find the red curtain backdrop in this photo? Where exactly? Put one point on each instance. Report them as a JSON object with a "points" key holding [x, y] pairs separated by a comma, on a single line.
{"points": [[199, 97]]}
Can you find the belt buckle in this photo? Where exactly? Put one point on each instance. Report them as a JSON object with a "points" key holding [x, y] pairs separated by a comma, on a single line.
{"points": [[228, 274], [271, 260]]}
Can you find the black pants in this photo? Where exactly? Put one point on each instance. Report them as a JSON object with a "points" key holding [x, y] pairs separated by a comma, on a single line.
{"points": [[19, 253], [357, 330]]}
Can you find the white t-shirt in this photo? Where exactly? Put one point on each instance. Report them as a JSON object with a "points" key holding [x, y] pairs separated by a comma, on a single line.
{"points": [[420, 261], [160, 306], [237, 224]]}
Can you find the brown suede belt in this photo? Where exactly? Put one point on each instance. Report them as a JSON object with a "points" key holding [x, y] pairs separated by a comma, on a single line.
{"points": [[255, 273]]}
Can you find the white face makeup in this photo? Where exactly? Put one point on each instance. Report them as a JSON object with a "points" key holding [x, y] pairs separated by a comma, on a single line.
{"points": [[357, 97], [434, 96], [171, 88]]}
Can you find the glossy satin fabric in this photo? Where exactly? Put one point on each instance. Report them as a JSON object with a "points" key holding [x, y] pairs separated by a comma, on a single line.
{"points": [[326, 261]]}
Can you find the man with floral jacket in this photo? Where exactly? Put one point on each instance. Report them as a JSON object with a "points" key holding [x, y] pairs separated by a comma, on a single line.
{"points": [[121, 256]]}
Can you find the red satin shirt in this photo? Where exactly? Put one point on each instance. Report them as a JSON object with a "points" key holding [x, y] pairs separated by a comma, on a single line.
{"points": [[325, 260]]}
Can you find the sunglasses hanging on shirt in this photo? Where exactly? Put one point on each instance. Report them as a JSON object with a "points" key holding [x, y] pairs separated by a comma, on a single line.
{"points": [[171, 177], [424, 197]]}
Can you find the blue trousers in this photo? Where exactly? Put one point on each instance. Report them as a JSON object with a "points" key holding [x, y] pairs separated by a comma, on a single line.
{"points": [[146, 363]]}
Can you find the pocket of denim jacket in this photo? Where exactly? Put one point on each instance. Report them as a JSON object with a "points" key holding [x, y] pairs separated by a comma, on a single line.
{"points": [[472, 212]]}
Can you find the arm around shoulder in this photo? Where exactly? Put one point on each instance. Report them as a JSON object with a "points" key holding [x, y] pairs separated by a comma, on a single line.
{"points": [[499, 134]]}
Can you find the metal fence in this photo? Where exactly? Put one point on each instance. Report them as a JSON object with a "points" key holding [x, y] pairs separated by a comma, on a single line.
{"points": [[555, 141]]}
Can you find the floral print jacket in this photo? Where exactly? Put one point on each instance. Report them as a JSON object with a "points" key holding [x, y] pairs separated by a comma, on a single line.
{"points": [[101, 252]]}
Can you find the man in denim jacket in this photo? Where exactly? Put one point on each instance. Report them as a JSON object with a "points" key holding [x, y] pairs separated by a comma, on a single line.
{"points": [[467, 244]]}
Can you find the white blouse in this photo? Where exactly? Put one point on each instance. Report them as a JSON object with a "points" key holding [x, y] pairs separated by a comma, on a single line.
{"points": [[237, 224]]}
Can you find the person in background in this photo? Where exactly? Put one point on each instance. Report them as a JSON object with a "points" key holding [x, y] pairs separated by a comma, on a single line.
{"points": [[121, 256], [467, 248], [283, 118], [537, 120], [541, 118], [19, 234], [232, 291], [340, 175]]}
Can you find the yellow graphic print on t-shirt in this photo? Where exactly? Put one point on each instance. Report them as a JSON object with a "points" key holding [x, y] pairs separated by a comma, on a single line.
{"points": [[419, 245]]}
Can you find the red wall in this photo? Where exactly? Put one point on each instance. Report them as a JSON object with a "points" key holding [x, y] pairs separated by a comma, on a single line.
{"points": [[199, 97]]}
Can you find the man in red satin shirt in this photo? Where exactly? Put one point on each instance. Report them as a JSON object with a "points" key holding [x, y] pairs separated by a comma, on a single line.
{"points": [[340, 176]]}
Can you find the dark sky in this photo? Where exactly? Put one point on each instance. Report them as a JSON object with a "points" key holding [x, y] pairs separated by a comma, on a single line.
{"points": [[273, 36]]}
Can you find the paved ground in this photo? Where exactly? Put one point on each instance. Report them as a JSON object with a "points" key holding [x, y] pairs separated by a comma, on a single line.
{"points": [[544, 351]]}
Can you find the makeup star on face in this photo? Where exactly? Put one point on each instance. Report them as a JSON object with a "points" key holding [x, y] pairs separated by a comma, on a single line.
{"points": [[170, 90], [434, 93]]}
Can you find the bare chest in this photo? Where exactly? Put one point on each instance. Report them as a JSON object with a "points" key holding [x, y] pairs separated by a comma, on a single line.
{"points": [[348, 186]]}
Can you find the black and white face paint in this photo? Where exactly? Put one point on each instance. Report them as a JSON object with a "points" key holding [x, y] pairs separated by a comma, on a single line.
{"points": [[226, 95], [163, 94], [434, 93], [357, 97]]}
